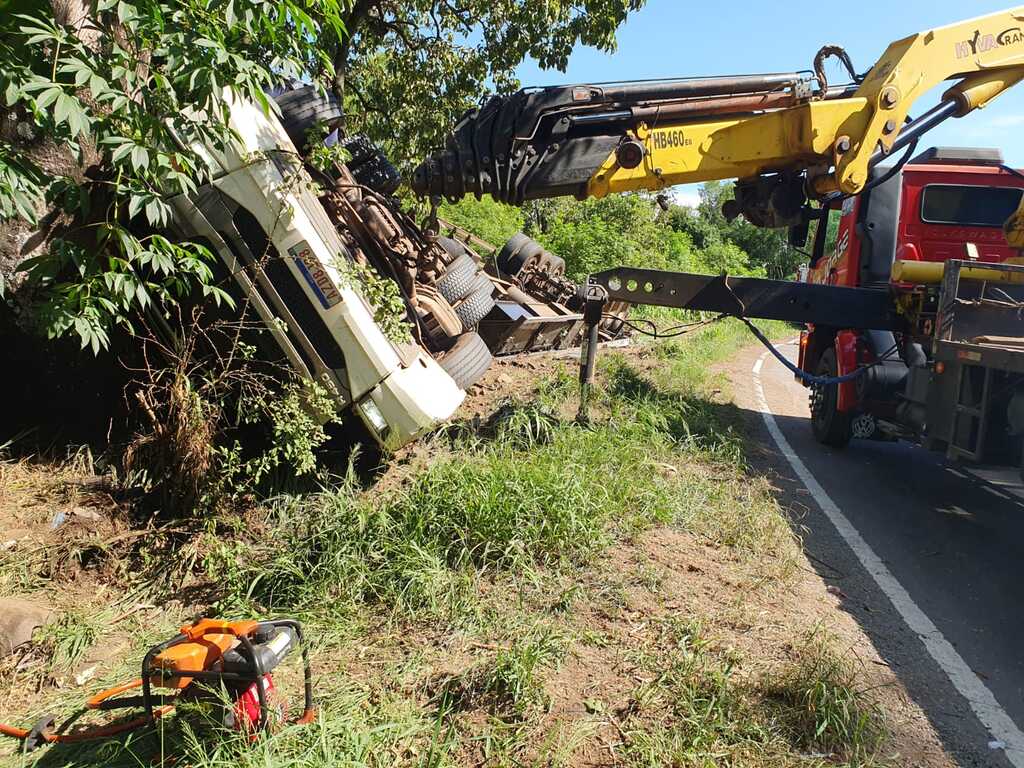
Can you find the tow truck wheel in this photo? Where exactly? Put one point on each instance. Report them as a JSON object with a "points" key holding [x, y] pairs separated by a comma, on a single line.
{"points": [[467, 360], [831, 427]]}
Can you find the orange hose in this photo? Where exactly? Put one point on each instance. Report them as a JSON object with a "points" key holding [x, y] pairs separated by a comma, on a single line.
{"points": [[10, 730], [106, 731], [102, 696], [100, 732]]}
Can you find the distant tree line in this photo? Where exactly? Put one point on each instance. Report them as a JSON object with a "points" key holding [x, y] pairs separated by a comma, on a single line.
{"points": [[637, 230]]}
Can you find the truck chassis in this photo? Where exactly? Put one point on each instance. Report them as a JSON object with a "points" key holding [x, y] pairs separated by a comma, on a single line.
{"points": [[957, 384]]}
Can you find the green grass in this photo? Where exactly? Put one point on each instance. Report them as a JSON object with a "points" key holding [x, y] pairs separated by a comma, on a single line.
{"points": [[509, 684], [354, 728], [824, 702], [699, 711], [66, 640], [534, 490]]}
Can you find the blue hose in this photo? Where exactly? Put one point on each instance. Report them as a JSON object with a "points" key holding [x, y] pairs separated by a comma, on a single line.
{"points": [[814, 381]]}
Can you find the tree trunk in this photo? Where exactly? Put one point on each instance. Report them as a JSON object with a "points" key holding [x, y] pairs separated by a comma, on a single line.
{"points": [[18, 239], [50, 390]]}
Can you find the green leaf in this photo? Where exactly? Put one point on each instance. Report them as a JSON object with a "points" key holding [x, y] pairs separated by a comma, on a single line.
{"points": [[49, 96], [97, 85], [156, 212], [62, 109], [140, 158], [126, 11], [11, 94], [135, 205]]}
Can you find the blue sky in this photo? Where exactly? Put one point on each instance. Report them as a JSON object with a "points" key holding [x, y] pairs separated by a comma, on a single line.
{"points": [[688, 38]]}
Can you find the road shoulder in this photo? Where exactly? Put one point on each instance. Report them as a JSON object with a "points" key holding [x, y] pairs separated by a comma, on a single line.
{"points": [[933, 722]]}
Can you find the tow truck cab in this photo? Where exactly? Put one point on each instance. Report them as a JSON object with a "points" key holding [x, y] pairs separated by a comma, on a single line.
{"points": [[944, 204], [930, 210]]}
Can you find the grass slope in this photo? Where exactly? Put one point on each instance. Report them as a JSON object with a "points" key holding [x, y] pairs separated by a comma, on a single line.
{"points": [[483, 611]]}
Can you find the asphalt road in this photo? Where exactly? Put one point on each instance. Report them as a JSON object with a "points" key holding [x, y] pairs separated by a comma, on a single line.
{"points": [[952, 541]]}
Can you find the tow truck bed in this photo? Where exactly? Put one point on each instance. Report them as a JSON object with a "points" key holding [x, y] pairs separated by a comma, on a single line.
{"points": [[1003, 357]]}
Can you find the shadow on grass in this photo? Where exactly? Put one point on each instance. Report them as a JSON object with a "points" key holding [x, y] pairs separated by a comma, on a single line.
{"points": [[688, 415]]}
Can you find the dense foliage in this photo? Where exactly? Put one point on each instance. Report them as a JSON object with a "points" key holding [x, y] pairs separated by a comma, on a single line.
{"points": [[126, 90], [130, 88], [635, 230], [409, 68]]}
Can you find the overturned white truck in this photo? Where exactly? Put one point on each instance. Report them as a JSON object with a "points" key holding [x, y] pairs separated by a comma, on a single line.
{"points": [[290, 236]]}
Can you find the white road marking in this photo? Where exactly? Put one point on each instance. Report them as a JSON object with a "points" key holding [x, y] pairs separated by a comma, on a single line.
{"points": [[999, 724]]}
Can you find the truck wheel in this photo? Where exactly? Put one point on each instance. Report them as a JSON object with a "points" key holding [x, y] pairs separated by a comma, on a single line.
{"points": [[359, 148], [830, 426], [458, 279], [553, 265], [303, 109], [467, 360], [378, 174], [507, 261], [452, 247], [478, 304]]}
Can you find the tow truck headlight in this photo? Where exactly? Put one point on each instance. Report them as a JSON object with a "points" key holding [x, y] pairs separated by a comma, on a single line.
{"points": [[370, 411]]}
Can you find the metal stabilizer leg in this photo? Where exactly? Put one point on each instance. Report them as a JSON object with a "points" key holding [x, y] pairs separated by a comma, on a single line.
{"points": [[593, 312]]}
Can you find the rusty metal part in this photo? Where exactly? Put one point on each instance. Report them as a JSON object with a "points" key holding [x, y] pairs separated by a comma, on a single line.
{"points": [[377, 234], [722, 105], [832, 52], [388, 236], [437, 316]]}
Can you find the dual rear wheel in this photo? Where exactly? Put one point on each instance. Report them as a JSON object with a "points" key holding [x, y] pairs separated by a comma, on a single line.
{"points": [[830, 426]]}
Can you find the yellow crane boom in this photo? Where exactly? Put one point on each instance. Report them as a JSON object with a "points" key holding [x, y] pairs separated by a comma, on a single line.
{"points": [[788, 137]]}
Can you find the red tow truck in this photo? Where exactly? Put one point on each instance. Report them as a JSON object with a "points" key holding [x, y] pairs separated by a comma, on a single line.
{"points": [[950, 373]]}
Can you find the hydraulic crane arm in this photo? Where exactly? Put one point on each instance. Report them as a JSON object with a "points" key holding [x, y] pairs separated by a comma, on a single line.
{"points": [[788, 137]]}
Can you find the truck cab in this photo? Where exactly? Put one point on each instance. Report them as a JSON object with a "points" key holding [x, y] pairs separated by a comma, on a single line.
{"points": [[932, 209], [957, 391]]}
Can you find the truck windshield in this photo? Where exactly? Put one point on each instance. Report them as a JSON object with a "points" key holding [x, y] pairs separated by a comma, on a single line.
{"points": [[968, 206]]}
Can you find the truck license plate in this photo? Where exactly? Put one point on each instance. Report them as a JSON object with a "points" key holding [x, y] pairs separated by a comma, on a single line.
{"points": [[311, 268]]}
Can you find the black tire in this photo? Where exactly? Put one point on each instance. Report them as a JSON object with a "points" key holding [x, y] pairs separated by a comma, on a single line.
{"points": [[467, 360], [303, 109], [360, 149], [369, 165], [378, 174], [477, 305], [458, 279], [507, 261], [529, 252], [830, 426], [452, 247], [554, 265]]}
